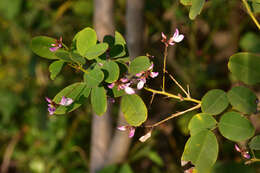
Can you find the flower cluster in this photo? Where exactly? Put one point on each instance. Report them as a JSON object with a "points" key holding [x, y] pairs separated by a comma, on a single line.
{"points": [[176, 38], [52, 106], [123, 84], [56, 45], [142, 76]]}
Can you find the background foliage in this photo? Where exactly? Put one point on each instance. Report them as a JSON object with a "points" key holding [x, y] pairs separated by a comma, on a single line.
{"points": [[38, 143]]}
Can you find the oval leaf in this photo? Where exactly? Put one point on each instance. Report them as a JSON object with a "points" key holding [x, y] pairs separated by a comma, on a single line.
{"points": [[243, 99], [111, 71], [96, 50], [134, 109], [85, 39], [139, 64], [245, 67], [77, 92], [214, 102], [55, 68], [94, 77], [64, 55], [40, 45], [196, 8], [78, 58], [202, 150], [235, 127], [201, 122], [254, 144], [99, 100]]}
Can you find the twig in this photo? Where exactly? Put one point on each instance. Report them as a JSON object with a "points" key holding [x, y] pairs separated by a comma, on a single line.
{"points": [[177, 83], [173, 116], [251, 13], [164, 66]]}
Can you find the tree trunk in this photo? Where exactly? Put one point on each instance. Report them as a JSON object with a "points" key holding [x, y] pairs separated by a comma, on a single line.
{"points": [[101, 126]]}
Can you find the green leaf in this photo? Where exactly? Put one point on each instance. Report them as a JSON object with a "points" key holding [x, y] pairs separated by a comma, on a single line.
{"points": [[78, 58], [134, 109], [64, 55], [254, 144], [118, 93], [256, 7], [111, 71], [196, 8], [186, 2], [55, 68], [77, 91], [96, 50], [235, 127], [85, 39], [99, 100], [94, 77], [40, 45], [245, 67], [202, 150], [155, 157], [10, 9], [243, 99], [250, 42], [139, 64], [201, 122], [214, 102], [125, 169], [109, 169]]}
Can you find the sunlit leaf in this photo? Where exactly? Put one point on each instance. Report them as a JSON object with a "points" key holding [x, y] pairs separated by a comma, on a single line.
{"points": [[196, 8], [245, 67], [125, 168], [85, 39], [201, 122], [243, 99], [111, 71], [40, 45], [55, 68], [202, 150], [235, 127], [99, 100], [94, 77], [96, 50], [139, 64], [214, 102], [134, 109], [77, 58], [77, 91]]}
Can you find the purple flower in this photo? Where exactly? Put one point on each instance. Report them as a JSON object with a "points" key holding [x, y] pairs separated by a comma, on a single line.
{"points": [[130, 129], [66, 101], [111, 85], [122, 84], [51, 106], [176, 38], [56, 45]]}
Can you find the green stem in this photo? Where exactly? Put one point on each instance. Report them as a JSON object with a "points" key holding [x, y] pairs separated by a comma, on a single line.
{"points": [[251, 13], [164, 66]]}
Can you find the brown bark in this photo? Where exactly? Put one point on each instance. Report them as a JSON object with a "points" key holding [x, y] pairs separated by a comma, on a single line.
{"points": [[101, 126]]}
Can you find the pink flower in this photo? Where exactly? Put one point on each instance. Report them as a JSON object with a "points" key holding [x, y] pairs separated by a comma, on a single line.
{"points": [[51, 106], [130, 129], [66, 101], [142, 76], [123, 84], [56, 45], [176, 38], [243, 153]]}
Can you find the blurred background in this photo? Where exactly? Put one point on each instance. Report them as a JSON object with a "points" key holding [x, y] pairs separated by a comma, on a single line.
{"points": [[31, 141]]}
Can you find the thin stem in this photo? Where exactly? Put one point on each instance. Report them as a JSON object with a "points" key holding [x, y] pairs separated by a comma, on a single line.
{"points": [[251, 13], [173, 116], [173, 96], [78, 68], [164, 65], [177, 83]]}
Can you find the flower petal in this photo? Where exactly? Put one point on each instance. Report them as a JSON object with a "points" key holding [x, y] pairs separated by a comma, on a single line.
{"points": [[122, 128], [179, 38], [129, 90], [111, 85], [146, 136], [139, 74], [154, 74], [176, 33], [151, 67], [246, 155], [48, 99], [66, 101], [237, 148], [51, 110], [164, 36], [124, 80], [53, 49], [131, 132], [140, 84]]}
